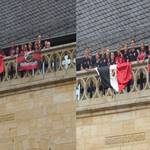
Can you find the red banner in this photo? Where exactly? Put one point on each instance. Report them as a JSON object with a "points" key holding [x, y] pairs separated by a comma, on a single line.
{"points": [[29, 61], [124, 75]]}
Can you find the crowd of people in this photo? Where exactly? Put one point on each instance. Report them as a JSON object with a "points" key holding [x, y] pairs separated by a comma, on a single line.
{"points": [[22, 50], [124, 54], [28, 47]]}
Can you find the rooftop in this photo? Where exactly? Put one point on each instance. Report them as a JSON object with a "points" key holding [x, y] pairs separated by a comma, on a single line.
{"points": [[21, 21], [107, 23]]}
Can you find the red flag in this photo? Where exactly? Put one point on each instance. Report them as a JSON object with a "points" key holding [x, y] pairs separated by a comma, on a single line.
{"points": [[29, 61], [124, 74], [1, 64]]}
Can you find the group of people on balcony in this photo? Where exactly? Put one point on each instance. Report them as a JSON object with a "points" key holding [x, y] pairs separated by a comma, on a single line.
{"points": [[28, 47], [23, 50], [105, 57], [124, 54]]}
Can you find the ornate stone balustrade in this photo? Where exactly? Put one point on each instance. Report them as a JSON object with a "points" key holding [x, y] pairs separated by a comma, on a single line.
{"points": [[89, 83], [58, 63]]}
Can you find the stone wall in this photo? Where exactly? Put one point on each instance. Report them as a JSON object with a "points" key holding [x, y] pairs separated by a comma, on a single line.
{"points": [[38, 119], [117, 128]]}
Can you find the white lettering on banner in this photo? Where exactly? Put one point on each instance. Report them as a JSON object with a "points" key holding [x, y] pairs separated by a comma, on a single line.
{"points": [[26, 63]]}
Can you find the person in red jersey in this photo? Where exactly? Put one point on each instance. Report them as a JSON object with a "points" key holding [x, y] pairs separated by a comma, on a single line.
{"points": [[119, 58], [22, 50]]}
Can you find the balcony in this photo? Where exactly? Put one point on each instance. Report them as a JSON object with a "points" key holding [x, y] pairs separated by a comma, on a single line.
{"points": [[58, 64], [90, 97]]}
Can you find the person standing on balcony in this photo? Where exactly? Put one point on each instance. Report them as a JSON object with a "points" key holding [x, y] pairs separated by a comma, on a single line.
{"points": [[25, 48], [29, 47], [104, 58], [126, 52], [91, 59], [17, 50], [87, 60], [37, 44], [45, 44], [133, 53], [1, 64], [112, 58], [107, 56], [148, 51], [12, 50], [48, 44], [119, 58], [142, 53], [22, 50], [97, 59], [141, 57]]}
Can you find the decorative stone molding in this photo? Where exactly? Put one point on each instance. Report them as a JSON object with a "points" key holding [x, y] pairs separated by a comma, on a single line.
{"points": [[127, 138]]}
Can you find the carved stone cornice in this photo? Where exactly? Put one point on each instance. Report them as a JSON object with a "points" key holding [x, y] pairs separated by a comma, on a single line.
{"points": [[109, 105]]}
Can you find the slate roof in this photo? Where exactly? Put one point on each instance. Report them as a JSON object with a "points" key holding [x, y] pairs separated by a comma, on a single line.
{"points": [[23, 20], [106, 23]]}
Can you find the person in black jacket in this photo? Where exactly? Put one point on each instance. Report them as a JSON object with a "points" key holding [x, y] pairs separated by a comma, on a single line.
{"points": [[97, 59], [87, 61], [133, 53], [126, 53]]}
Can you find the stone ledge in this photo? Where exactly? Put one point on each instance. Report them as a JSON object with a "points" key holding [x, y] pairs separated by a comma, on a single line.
{"points": [[109, 105], [36, 83]]}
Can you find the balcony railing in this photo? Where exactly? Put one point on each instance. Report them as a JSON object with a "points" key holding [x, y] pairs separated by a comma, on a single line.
{"points": [[57, 62], [89, 83]]}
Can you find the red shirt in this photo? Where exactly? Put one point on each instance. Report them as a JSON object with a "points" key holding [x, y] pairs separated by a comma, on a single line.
{"points": [[119, 60], [141, 56], [22, 52]]}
